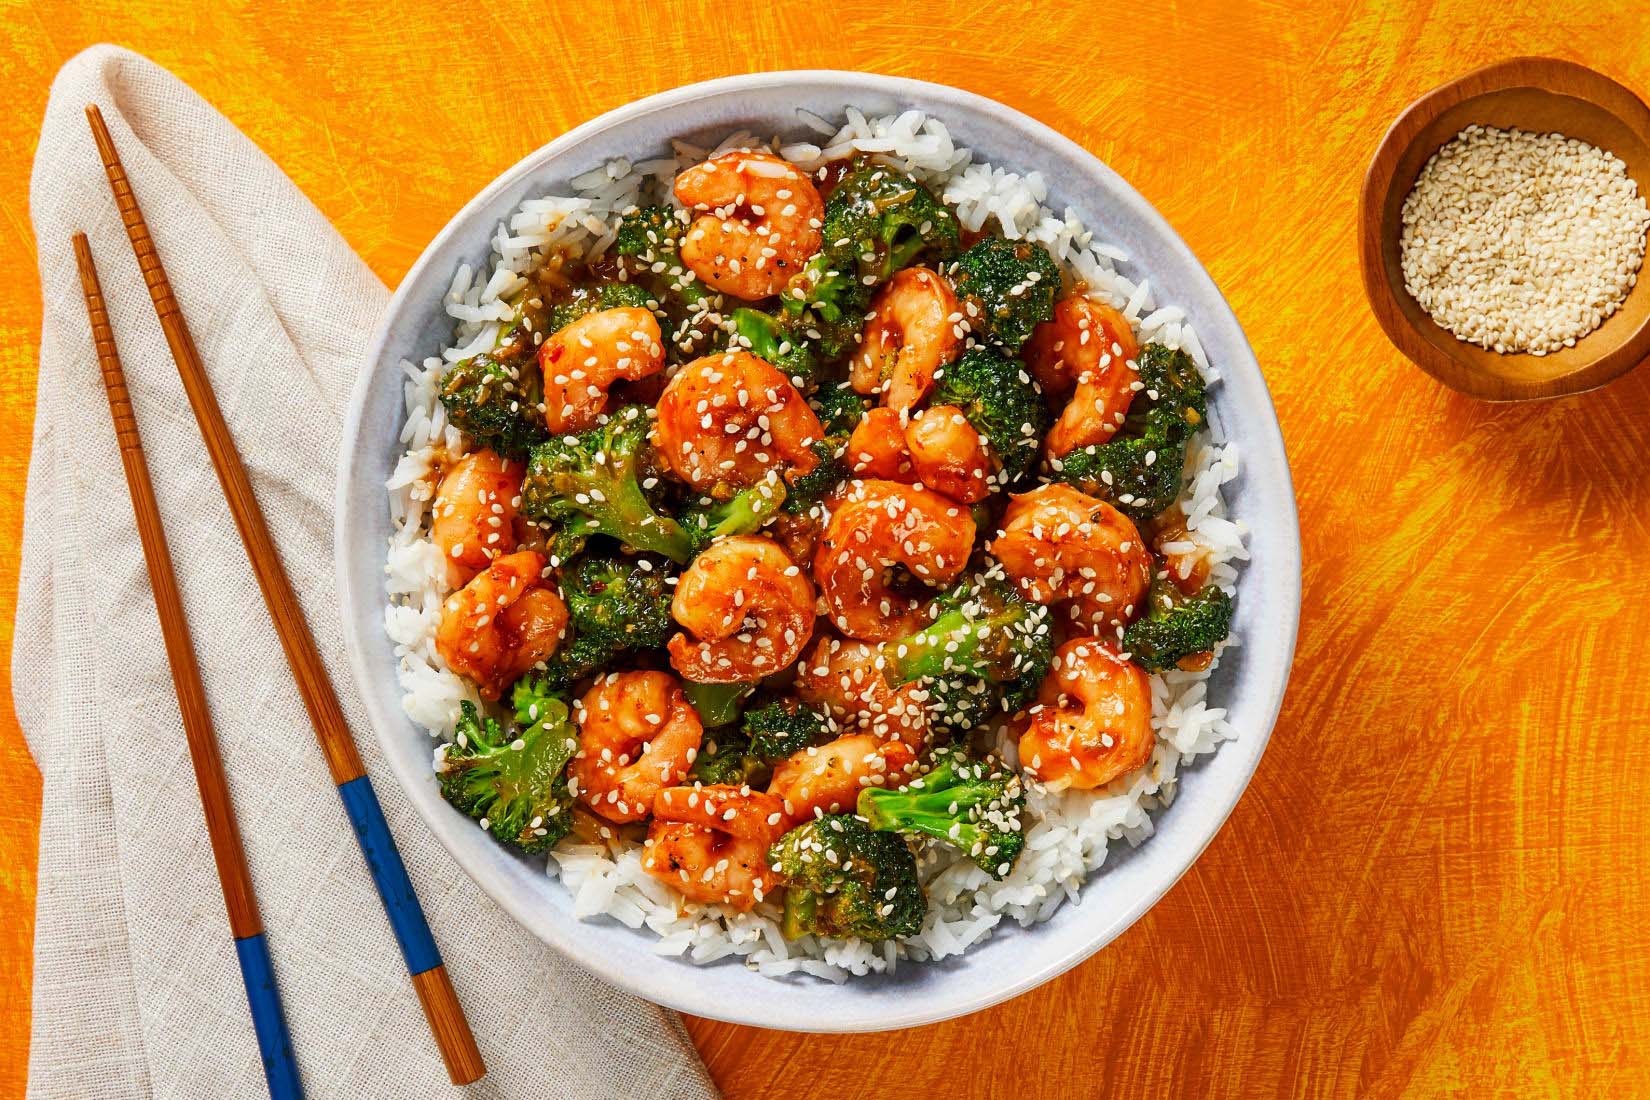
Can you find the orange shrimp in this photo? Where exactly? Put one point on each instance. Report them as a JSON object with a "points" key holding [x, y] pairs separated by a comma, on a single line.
{"points": [[473, 517], [748, 608], [711, 843], [502, 623], [847, 679], [1093, 721], [1086, 347], [638, 734], [827, 779], [1060, 546], [582, 360], [915, 328], [875, 526], [762, 222]]}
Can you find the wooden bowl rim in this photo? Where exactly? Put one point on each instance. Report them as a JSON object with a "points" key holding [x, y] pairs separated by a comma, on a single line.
{"points": [[1516, 72]]}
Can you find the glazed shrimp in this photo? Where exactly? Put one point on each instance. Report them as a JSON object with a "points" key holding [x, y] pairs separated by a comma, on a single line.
{"points": [[1060, 546], [727, 419], [877, 447], [1093, 721], [915, 328], [711, 843], [875, 526], [847, 679], [746, 611], [472, 519], [827, 779], [762, 223], [637, 735], [581, 361], [1087, 348], [505, 621], [948, 455]]}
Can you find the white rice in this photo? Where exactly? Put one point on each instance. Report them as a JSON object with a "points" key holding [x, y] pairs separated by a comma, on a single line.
{"points": [[1068, 834]]}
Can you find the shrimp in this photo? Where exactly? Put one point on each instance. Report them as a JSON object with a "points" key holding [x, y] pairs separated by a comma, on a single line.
{"points": [[746, 611], [502, 623], [1087, 347], [827, 779], [1060, 546], [875, 526], [763, 222], [637, 735], [847, 679], [948, 455], [877, 447], [727, 419], [1093, 719], [473, 517], [711, 843], [915, 328], [582, 360]]}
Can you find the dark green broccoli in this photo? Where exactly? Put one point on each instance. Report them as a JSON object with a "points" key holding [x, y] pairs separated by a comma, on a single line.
{"points": [[1007, 288], [877, 221], [614, 606], [779, 340], [972, 804], [514, 786], [1177, 626], [782, 727], [591, 483], [1002, 402], [591, 299], [649, 238], [496, 403], [718, 704], [843, 880], [840, 410], [983, 629], [725, 758], [707, 520], [1142, 468]]}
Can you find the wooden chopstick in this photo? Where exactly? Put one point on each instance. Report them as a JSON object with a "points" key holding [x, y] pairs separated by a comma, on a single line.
{"points": [[412, 930], [268, 1021]]}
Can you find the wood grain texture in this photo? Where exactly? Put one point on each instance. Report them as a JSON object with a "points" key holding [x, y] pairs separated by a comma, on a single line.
{"points": [[1435, 885], [1541, 95]]}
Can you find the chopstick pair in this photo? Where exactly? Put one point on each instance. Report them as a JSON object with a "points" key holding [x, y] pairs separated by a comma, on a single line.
{"points": [[429, 975]]}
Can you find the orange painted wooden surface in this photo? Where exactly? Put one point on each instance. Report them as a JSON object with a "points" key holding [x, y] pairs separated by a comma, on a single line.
{"points": [[1436, 884]]}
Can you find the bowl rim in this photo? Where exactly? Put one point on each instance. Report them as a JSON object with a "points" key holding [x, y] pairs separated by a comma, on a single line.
{"points": [[1282, 622], [1385, 299]]}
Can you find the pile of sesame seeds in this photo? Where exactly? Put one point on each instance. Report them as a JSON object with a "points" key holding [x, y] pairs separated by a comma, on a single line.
{"points": [[1522, 242]]}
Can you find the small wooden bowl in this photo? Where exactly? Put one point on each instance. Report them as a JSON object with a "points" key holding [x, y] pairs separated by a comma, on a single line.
{"points": [[1536, 94]]}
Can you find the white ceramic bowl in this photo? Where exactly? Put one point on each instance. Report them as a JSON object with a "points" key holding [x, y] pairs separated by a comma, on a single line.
{"points": [[1250, 681]]}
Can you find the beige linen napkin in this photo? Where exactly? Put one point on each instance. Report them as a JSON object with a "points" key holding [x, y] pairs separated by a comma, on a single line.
{"points": [[136, 988]]}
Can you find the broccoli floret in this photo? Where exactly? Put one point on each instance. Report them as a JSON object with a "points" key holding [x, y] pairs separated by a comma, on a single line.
{"points": [[718, 704], [1141, 469], [649, 238], [1007, 288], [840, 410], [614, 606], [983, 629], [972, 804], [842, 880], [728, 760], [514, 786], [496, 403], [779, 340], [707, 520], [591, 299], [1177, 626], [877, 221], [782, 727], [1002, 402], [592, 483]]}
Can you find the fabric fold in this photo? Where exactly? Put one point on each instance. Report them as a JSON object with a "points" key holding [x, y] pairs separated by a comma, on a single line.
{"points": [[136, 989]]}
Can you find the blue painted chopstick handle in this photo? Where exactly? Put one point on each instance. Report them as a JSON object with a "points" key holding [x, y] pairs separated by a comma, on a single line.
{"points": [[268, 1022], [412, 931]]}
